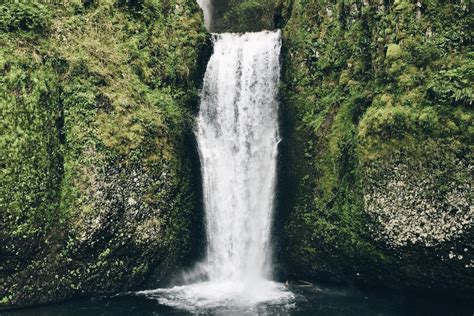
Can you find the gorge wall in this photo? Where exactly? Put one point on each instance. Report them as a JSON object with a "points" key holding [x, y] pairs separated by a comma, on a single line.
{"points": [[379, 127], [97, 193]]}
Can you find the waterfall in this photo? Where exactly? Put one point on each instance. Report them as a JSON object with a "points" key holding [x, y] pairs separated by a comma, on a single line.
{"points": [[237, 133], [238, 137], [206, 6]]}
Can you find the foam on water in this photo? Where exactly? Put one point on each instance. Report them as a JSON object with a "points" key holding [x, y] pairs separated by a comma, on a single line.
{"points": [[221, 296]]}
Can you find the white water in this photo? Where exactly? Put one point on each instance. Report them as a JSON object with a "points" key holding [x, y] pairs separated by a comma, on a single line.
{"points": [[238, 137], [207, 8]]}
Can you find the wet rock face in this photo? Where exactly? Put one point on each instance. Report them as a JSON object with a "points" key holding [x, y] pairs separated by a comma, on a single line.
{"points": [[117, 198], [131, 227], [420, 202], [121, 211], [377, 143], [243, 16], [125, 228], [99, 194]]}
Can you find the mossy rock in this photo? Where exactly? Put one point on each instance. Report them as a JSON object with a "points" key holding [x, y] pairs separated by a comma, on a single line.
{"points": [[352, 132], [394, 52], [402, 6], [98, 193], [243, 16]]}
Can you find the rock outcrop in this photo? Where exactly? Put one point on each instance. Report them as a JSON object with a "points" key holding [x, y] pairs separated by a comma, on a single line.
{"points": [[377, 110], [98, 192]]}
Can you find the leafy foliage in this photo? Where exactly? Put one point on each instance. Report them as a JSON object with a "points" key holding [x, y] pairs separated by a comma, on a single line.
{"points": [[243, 16], [365, 81], [24, 16], [96, 101]]}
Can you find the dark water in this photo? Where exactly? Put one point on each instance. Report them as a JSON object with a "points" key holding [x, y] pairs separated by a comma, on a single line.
{"points": [[312, 300]]}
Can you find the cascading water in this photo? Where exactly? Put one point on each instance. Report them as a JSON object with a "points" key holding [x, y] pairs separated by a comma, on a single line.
{"points": [[238, 136], [206, 7]]}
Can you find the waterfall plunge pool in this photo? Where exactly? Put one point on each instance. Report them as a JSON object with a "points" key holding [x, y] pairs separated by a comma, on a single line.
{"points": [[308, 300]]}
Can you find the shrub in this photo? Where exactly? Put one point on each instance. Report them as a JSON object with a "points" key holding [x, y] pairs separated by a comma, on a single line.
{"points": [[24, 16]]}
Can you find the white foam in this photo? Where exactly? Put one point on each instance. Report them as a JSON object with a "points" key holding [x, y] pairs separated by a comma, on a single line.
{"points": [[231, 295]]}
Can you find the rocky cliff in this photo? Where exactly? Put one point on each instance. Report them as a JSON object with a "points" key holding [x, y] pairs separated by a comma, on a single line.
{"points": [[97, 192], [377, 110]]}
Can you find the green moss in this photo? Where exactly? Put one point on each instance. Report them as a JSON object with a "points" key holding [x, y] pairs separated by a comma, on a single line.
{"points": [[394, 52], [4, 300], [364, 83], [402, 5], [98, 99], [29, 144], [386, 100], [24, 16], [243, 16]]}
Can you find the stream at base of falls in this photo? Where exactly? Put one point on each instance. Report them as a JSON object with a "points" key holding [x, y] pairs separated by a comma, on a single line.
{"points": [[308, 300]]}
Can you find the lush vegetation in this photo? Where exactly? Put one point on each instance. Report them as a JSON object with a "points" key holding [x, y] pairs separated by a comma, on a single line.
{"points": [[96, 185], [369, 88], [243, 16], [377, 119]]}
